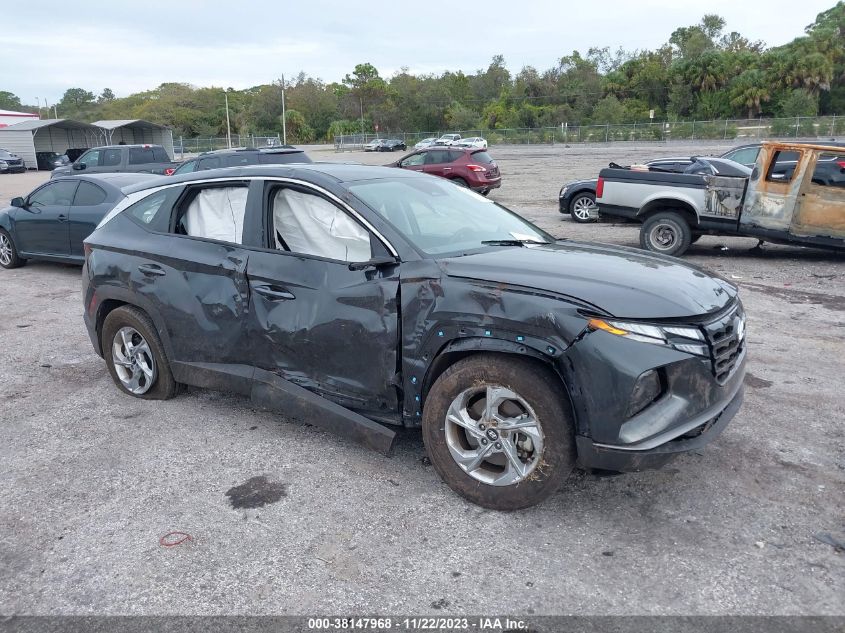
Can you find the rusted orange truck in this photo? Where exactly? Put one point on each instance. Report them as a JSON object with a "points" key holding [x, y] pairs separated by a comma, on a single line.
{"points": [[795, 207]]}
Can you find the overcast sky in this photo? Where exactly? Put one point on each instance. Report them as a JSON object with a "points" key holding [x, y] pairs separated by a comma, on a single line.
{"points": [[132, 46]]}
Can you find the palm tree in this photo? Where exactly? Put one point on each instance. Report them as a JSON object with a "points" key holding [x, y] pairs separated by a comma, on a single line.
{"points": [[750, 90]]}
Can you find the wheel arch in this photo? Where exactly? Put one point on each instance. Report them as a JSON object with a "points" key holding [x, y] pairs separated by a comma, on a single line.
{"points": [[682, 207], [463, 348], [117, 298], [579, 192]]}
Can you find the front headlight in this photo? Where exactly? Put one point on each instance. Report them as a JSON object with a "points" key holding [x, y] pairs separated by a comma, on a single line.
{"points": [[3, 163], [562, 191], [682, 338]]}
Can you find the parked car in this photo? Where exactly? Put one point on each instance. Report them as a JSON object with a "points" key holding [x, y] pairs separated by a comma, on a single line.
{"points": [[357, 297], [48, 161], [830, 168], [475, 168], [475, 142], [426, 142], [51, 222], [391, 145], [374, 145], [447, 139], [578, 198], [239, 157], [150, 159], [10, 163], [731, 199], [713, 166]]}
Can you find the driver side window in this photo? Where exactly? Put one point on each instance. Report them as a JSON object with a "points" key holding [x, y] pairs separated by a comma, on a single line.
{"points": [[56, 193], [312, 225], [91, 159], [413, 161]]}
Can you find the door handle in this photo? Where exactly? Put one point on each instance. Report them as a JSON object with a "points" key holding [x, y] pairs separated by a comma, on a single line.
{"points": [[447, 169], [152, 269], [62, 217], [274, 295]]}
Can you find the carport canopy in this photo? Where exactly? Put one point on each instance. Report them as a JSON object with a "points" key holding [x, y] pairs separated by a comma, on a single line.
{"points": [[136, 132], [48, 135]]}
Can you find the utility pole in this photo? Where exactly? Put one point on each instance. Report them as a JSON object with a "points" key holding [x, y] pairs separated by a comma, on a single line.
{"points": [[228, 127], [361, 103], [284, 121]]}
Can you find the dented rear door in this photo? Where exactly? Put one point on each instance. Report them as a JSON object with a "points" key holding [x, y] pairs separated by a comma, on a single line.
{"points": [[820, 211]]}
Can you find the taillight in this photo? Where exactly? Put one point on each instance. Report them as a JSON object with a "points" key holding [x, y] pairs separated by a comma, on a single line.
{"points": [[169, 171], [476, 168], [600, 188], [841, 163]]}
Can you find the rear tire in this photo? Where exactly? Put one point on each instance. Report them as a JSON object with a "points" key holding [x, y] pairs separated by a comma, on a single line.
{"points": [[667, 233], [517, 468], [143, 356], [9, 257]]}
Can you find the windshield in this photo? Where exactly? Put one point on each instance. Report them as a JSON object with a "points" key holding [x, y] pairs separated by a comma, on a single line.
{"points": [[440, 217]]}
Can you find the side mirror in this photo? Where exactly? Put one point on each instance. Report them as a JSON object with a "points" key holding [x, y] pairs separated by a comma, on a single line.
{"points": [[375, 262], [18, 202], [79, 166]]}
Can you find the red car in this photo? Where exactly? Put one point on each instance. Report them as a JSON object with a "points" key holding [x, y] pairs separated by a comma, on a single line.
{"points": [[473, 168]]}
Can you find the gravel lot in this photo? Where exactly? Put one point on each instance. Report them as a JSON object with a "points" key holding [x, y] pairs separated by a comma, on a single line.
{"points": [[91, 479]]}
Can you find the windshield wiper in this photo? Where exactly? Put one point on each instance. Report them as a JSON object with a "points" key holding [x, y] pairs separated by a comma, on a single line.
{"points": [[511, 242]]}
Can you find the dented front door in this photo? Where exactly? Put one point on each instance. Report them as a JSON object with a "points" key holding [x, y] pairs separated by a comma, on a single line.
{"points": [[324, 327]]}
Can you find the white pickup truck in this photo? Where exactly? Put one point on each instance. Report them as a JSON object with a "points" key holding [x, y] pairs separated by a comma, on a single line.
{"points": [[676, 209]]}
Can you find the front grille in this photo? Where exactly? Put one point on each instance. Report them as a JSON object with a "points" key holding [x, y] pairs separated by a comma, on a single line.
{"points": [[14, 162], [726, 338]]}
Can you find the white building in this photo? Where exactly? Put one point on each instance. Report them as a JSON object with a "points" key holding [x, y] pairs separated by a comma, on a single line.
{"points": [[10, 117]]}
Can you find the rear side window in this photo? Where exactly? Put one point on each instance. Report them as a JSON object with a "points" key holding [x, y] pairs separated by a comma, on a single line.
{"points": [[160, 155], [111, 157], [141, 156], [482, 157], [88, 195], [213, 213], [236, 160], [437, 157], [53, 194], [830, 171]]}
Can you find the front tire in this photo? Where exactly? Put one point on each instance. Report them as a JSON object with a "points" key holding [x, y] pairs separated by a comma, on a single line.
{"points": [[666, 233], [135, 356], [9, 257], [583, 208], [510, 454]]}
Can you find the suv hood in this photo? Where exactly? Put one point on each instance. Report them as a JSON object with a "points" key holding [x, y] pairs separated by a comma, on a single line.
{"points": [[624, 282]]}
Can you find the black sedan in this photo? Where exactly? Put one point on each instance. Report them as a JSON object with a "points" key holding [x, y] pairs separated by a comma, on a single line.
{"points": [[391, 145], [51, 222], [578, 198], [356, 297]]}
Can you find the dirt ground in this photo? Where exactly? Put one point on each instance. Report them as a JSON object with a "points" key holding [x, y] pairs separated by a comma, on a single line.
{"points": [[91, 479]]}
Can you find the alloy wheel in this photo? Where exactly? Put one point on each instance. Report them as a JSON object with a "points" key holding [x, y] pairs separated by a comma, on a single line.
{"points": [[584, 209], [133, 361], [493, 435], [5, 250]]}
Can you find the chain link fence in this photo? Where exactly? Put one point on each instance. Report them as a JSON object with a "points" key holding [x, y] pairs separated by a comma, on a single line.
{"points": [[208, 144], [826, 127]]}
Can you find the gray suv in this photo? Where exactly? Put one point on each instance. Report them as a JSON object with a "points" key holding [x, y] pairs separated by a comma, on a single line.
{"points": [[359, 298]]}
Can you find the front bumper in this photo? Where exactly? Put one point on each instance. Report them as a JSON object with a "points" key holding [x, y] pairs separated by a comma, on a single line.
{"points": [[705, 428]]}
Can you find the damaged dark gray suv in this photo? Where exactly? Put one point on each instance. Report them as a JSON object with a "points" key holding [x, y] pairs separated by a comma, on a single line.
{"points": [[361, 297]]}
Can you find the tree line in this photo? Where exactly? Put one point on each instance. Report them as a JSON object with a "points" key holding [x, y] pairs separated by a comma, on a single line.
{"points": [[702, 72]]}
